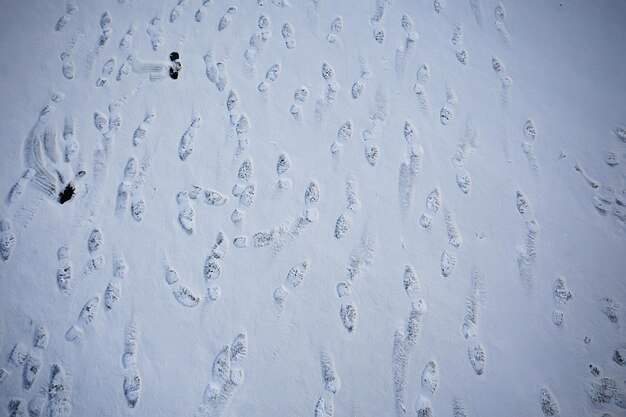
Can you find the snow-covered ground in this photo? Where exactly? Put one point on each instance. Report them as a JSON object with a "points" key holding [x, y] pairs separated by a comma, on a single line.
{"points": [[349, 208]]}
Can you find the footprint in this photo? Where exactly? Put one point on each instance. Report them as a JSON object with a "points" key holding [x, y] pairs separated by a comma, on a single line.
{"points": [[423, 73], [557, 318], [503, 31], [611, 309], [186, 214], [345, 131], [122, 198], [31, 370], [454, 238], [17, 191], [372, 154], [311, 194], [620, 132], [17, 407], [602, 390], [283, 164], [132, 387], [185, 296], [288, 35], [549, 406], [4, 375], [458, 409], [36, 404], [506, 84], [280, 297], [262, 239], [100, 121], [221, 365], [129, 357], [227, 18], [88, 313], [329, 373], [296, 274], [68, 68], [414, 324], [19, 355], [214, 198], [464, 182], [232, 101], [70, 9], [106, 25], [447, 263], [115, 118], [446, 114], [59, 392], [239, 348], [457, 35], [120, 267], [348, 314], [379, 35], [107, 70], [125, 68], [476, 356], [472, 305], [177, 11], [410, 281], [462, 56], [127, 40], [185, 148], [41, 337], [64, 272], [141, 132], [524, 206], [612, 158], [433, 201], [155, 31], [247, 196], [7, 239], [336, 27], [430, 377], [560, 293], [477, 11], [271, 75], [342, 226], [400, 362], [112, 294], [323, 408], [422, 405]]}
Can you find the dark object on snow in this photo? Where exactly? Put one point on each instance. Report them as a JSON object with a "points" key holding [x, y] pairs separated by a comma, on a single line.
{"points": [[176, 65], [67, 193]]}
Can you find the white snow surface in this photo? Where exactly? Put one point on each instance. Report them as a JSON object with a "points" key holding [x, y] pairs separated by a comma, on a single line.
{"points": [[475, 333]]}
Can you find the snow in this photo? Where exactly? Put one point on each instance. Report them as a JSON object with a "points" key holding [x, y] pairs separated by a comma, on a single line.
{"points": [[311, 192]]}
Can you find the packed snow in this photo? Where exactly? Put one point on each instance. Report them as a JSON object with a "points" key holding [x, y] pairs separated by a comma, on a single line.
{"points": [[313, 208]]}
